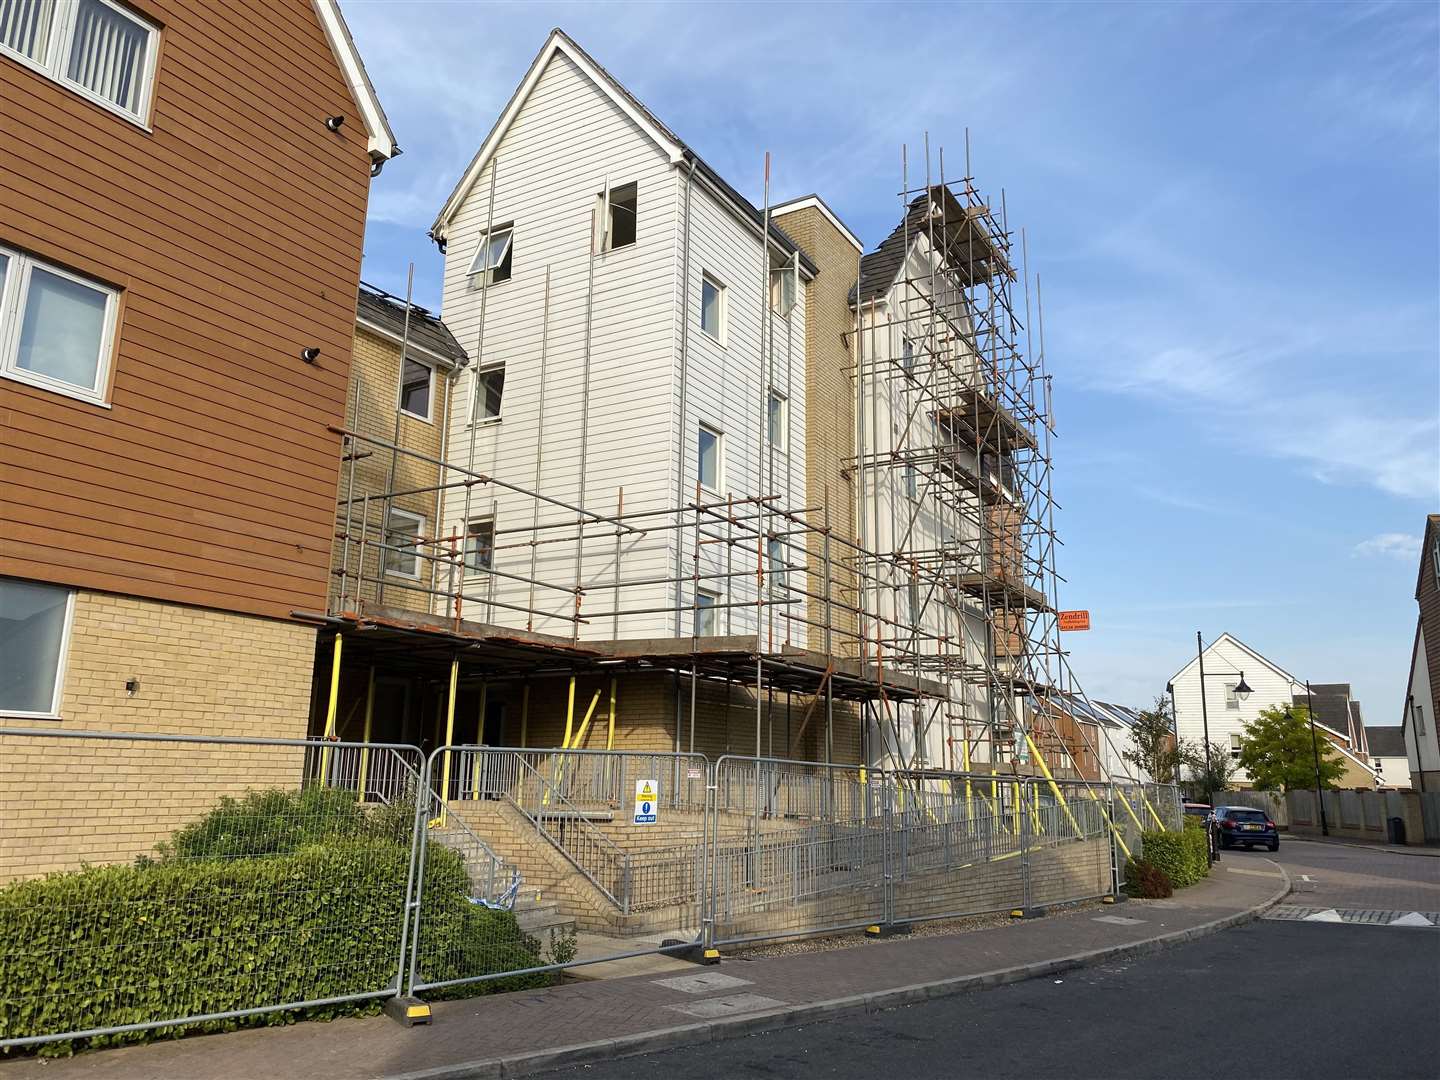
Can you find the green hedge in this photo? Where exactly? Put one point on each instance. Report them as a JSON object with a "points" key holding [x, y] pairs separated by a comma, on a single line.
{"points": [[1183, 856], [113, 945]]}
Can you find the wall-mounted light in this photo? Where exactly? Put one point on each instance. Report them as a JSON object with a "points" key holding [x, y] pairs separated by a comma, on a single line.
{"points": [[334, 122], [310, 354]]}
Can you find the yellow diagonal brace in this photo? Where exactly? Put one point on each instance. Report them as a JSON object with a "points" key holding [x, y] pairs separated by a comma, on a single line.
{"points": [[1054, 787]]}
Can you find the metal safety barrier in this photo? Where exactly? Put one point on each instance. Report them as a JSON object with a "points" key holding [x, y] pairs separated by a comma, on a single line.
{"points": [[196, 881]]}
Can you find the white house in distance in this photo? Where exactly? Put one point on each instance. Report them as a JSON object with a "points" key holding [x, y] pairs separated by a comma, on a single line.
{"points": [[1226, 659]]}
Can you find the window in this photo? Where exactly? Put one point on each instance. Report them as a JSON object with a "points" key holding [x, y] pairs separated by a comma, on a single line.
{"points": [[775, 556], [708, 464], [489, 390], [403, 534], [492, 261], [712, 308], [1232, 700], [1235, 747], [416, 382], [784, 290], [705, 611], [56, 329], [479, 545], [34, 632], [911, 486], [777, 419], [1418, 712], [618, 219], [95, 47], [1435, 561], [913, 596], [907, 355]]}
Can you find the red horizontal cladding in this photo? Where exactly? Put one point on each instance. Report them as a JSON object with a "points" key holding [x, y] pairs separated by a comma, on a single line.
{"points": [[233, 231]]}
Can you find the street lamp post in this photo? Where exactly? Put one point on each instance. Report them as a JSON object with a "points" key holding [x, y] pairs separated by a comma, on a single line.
{"points": [[1315, 749]]}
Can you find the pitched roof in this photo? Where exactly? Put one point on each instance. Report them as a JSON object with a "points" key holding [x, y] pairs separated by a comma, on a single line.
{"points": [[647, 121], [953, 231], [377, 310], [801, 202], [1386, 741], [1233, 640], [382, 139], [1331, 706]]}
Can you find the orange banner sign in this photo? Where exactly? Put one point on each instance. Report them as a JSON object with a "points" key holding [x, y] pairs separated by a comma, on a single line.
{"points": [[1074, 620]]}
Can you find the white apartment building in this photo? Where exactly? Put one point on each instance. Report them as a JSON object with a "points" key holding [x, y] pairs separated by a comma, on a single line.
{"points": [[614, 292]]}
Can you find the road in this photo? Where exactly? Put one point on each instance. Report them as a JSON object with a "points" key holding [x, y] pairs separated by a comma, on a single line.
{"points": [[1272, 999]]}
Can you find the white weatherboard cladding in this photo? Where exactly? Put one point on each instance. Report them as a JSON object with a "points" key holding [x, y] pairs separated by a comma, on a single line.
{"points": [[552, 162], [548, 169], [726, 387], [1422, 749], [1225, 655]]}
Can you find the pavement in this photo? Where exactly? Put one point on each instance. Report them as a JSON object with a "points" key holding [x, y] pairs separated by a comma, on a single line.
{"points": [[582, 1022]]}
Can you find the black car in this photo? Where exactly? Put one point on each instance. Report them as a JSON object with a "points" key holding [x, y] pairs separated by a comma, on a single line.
{"points": [[1246, 826]]}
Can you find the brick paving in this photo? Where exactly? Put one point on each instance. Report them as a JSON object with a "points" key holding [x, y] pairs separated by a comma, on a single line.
{"points": [[1353, 877], [581, 1012]]}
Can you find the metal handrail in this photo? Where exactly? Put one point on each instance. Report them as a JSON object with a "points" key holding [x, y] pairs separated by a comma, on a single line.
{"points": [[550, 802]]}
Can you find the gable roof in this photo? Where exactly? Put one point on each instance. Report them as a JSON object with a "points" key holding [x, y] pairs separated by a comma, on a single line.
{"points": [[383, 314], [1387, 741], [802, 202], [382, 139], [965, 246], [1427, 545], [669, 143], [1233, 640]]}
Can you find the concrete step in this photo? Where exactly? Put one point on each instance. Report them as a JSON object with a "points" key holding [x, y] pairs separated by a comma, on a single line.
{"points": [[540, 921]]}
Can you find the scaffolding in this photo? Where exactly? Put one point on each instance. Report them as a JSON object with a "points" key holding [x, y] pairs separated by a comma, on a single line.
{"points": [[937, 620]]}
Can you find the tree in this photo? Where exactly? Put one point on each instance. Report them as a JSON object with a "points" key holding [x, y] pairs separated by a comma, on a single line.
{"points": [[1276, 750], [1221, 767], [1155, 749]]}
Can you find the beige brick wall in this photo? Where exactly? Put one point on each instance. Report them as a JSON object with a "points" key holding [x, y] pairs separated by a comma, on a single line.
{"points": [[374, 377], [67, 801], [829, 409]]}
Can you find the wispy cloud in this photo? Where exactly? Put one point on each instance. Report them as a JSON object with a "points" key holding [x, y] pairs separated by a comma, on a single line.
{"points": [[1400, 546]]}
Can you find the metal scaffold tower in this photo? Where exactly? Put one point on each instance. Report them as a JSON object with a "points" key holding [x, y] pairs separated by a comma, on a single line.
{"points": [[954, 470]]}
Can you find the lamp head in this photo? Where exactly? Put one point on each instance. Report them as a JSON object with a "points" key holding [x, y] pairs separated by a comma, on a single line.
{"points": [[1242, 688]]}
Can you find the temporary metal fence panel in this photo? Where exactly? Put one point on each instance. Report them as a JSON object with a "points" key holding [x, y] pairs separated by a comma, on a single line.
{"points": [[795, 848], [1073, 854], [615, 839], [162, 880], [957, 845]]}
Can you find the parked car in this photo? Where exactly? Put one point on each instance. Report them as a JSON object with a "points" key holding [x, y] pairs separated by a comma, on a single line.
{"points": [[1246, 826], [1197, 809]]}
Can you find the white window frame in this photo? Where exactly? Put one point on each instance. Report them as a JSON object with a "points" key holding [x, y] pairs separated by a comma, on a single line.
{"points": [[386, 552], [710, 612], [429, 414], [474, 572], [477, 395], [55, 64], [61, 663], [719, 486], [782, 444], [12, 317], [605, 220], [1234, 746], [1232, 699], [721, 306], [508, 251]]}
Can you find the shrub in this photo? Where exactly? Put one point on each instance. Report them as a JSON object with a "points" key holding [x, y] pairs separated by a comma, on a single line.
{"points": [[207, 929], [1183, 856], [1147, 881], [268, 822]]}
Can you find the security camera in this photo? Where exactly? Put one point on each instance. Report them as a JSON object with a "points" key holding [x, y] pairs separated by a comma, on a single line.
{"points": [[334, 122], [310, 355]]}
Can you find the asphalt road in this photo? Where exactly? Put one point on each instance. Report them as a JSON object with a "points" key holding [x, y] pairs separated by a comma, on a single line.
{"points": [[1266, 1000]]}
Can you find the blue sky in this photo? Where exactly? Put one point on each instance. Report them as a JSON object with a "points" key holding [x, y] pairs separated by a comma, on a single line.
{"points": [[1233, 212]]}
